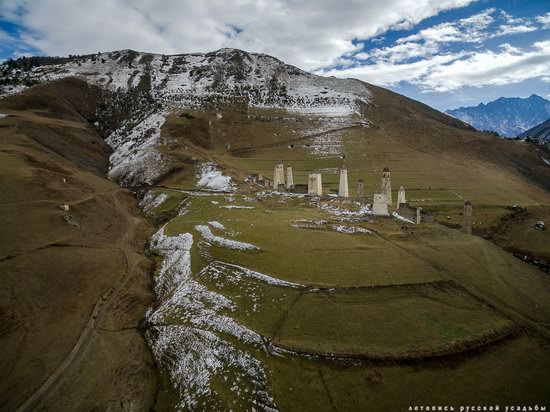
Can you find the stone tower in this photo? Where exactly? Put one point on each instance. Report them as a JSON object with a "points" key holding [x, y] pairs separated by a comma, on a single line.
{"points": [[467, 218], [289, 178], [380, 205], [314, 185], [278, 175], [401, 200], [385, 187], [360, 189], [343, 189]]}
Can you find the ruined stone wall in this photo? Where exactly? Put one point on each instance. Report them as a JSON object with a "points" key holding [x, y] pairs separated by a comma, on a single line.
{"points": [[409, 212]]}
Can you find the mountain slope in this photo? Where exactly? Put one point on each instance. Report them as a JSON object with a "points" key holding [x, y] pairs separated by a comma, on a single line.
{"points": [[226, 76], [141, 89], [507, 116], [540, 133], [257, 291], [65, 223]]}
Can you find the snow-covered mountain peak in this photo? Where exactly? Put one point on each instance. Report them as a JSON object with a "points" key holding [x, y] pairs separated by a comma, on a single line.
{"points": [[224, 76]]}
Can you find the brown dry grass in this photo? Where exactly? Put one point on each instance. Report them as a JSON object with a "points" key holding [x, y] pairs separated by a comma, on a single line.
{"points": [[52, 273]]}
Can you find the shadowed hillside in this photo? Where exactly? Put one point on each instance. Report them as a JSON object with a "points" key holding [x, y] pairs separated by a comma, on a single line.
{"points": [[64, 320]]}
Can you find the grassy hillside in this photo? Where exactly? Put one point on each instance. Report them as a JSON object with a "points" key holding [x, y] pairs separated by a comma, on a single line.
{"points": [[58, 267], [354, 313], [270, 300]]}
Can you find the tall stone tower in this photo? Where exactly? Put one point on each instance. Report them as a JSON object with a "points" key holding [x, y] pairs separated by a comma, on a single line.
{"points": [[278, 175], [385, 187], [467, 218], [314, 185], [289, 178], [343, 189], [360, 189], [380, 205], [401, 200]]}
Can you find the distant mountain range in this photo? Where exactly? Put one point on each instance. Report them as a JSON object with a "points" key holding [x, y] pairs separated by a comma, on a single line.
{"points": [[508, 116]]}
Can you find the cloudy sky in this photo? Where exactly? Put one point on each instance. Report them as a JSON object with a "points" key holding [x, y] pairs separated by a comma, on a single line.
{"points": [[446, 53]]}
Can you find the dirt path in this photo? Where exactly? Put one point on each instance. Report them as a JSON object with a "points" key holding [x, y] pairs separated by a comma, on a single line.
{"points": [[98, 313]]}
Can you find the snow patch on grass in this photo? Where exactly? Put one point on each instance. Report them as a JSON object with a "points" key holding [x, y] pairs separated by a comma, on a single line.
{"points": [[176, 266], [351, 229], [212, 179], [266, 194], [223, 242], [217, 225], [195, 354], [335, 210], [238, 207], [315, 222], [153, 200], [403, 219]]}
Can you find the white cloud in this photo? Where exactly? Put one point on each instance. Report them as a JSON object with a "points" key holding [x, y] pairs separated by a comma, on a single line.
{"points": [[468, 30], [378, 39], [454, 71], [475, 29], [389, 74], [544, 20], [402, 52], [490, 68], [306, 33], [514, 29]]}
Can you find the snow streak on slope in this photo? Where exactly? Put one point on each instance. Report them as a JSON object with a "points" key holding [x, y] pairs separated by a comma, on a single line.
{"points": [[223, 242], [176, 266], [195, 358], [234, 274], [196, 352], [135, 159], [152, 200]]}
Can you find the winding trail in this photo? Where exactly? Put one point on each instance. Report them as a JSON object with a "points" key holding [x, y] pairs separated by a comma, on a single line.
{"points": [[98, 314]]}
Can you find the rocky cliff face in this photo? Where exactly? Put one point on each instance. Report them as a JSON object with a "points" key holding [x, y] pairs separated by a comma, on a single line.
{"points": [[507, 116]]}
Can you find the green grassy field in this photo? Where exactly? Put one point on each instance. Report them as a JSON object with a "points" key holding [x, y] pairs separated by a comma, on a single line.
{"points": [[271, 301], [346, 302], [389, 316]]}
